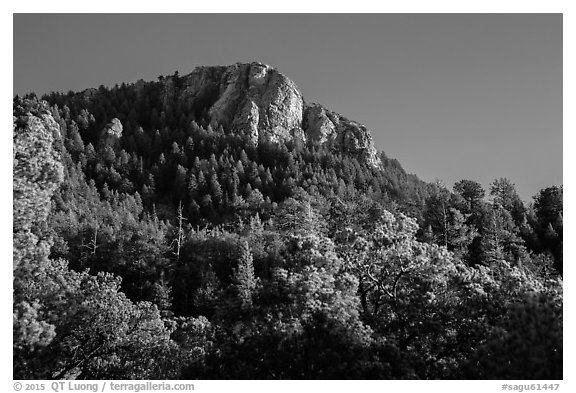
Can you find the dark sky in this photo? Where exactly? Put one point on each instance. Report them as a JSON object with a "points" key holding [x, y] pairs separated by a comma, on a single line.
{"points": [[451, 96]]}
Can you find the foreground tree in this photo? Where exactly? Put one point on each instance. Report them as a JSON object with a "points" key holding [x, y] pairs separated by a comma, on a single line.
{"points": [[437, 311], [37, 173], [70, 324]]}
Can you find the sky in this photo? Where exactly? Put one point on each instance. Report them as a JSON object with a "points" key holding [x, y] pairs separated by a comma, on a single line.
{"points": [[451, 96]]}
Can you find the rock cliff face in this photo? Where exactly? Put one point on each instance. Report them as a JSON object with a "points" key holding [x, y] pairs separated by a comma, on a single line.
{"points": [[260, 102]]}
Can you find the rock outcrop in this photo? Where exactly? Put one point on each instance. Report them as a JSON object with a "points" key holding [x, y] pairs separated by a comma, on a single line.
{"points": [[326, 127], [111, 134], [258, 101], [114, 128]]}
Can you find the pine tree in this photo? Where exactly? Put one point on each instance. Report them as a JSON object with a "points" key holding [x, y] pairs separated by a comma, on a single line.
{"points": [[504, 193], [216, 190], [234, 187], [202, 185], [240, 169], [243, 158], [493, 240], [74, 142], [460, 234], [243, 276], [180, 189], [192, 186], [500, 238], [471, 191]]}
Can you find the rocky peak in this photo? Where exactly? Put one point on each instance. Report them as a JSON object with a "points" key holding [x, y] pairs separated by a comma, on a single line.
{"points": [[257, 100]]}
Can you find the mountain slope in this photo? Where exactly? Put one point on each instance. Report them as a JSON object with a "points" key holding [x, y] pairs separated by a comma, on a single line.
{"points": [[156, 138]]}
